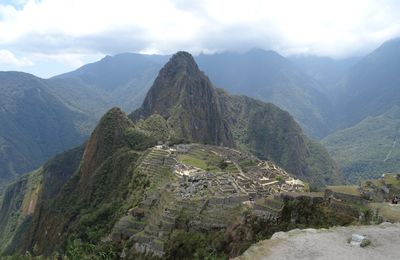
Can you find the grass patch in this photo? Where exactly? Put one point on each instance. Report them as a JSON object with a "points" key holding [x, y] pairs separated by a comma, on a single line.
{"points": [[388, 211], [206, 160], [392, 180], [192, 161], [346, 189]]}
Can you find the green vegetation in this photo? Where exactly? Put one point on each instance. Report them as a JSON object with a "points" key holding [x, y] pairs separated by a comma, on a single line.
{"points": [[322, 168], [370, 89], [346, 189], [77, 249], [138, 139], [35, 124], [94, 207], [365, 243], [271, 134], [106, 185], [247, 164], [222, 164], [157, 126], [386, 211], [197, 245], [121, 80], [368, 149], [270, 77], [315, 215], [19, 204], [393, 180], [389, 179], [206, 160], [193, 161]]}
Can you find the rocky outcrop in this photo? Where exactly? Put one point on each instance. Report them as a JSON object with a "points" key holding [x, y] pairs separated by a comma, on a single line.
{"points": [[328, 244]]}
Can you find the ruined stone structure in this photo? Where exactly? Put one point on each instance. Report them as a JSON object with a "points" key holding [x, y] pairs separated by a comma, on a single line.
{"points": [[181, 190]]}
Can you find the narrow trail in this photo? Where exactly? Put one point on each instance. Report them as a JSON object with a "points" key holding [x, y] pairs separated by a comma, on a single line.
{"points": [[393, 145], [391, 150]]}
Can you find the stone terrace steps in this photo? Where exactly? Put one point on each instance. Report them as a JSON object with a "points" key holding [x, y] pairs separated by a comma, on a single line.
{"points": [[272, 203], [156, 161], [161, 221]]}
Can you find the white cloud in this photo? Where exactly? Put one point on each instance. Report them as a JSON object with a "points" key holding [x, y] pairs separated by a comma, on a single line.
{"points": [[8, 58], [87, 27], [70, 60]]}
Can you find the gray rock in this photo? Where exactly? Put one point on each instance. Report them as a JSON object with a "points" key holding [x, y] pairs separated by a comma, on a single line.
{"points": [[385, 189], [359, 240]]}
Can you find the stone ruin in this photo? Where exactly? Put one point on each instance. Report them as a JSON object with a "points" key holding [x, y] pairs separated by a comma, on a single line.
{"points": [[211, 198]]}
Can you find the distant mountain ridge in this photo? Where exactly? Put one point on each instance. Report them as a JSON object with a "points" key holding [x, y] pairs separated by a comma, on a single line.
{"points": [[328, 72], [368, 149], [35, 124], [372, 85], [365, 145], [265, 75], [270, 77], [121, 80]]}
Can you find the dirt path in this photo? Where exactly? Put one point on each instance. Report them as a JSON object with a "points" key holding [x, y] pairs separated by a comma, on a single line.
{"points": [[312, 244], [391, 150]]}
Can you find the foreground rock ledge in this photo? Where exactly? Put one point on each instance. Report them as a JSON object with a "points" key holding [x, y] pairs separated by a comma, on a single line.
{"points": [[329, 244]]}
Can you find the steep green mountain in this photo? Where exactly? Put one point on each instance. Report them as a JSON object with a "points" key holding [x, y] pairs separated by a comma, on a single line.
{"points": [[268, 76], [124, 195], [21, 197], [19, 203], [186, 98], [35, 124], [96, 194], [368, 149], [197, 112], [372, 85], [121, 80], [367, 116]]}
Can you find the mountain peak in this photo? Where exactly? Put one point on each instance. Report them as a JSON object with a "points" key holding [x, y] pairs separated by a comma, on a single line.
{"points": [[179, 78], [183, 56], [186, 98], [181, 62], [105, 139]]}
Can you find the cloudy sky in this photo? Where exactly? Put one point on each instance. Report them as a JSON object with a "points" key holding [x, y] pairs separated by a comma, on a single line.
{"points": [[47, 37]]}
